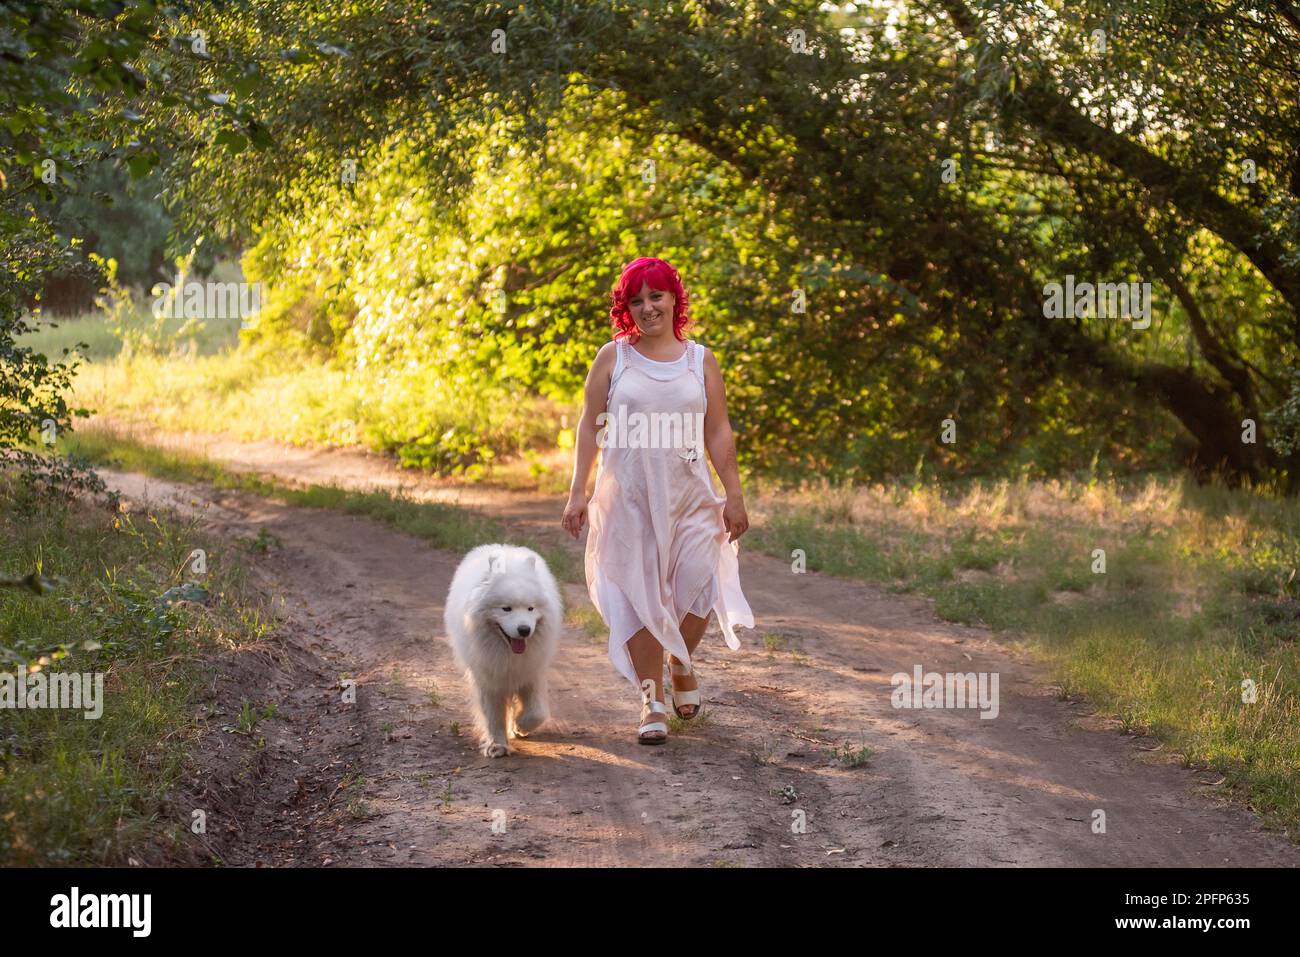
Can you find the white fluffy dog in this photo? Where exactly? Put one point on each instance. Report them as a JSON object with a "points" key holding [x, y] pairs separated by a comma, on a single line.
{"points": [[503, 619]]}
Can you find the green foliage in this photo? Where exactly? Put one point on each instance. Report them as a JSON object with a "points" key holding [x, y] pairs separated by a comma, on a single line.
{"points": [[1285, 420], [82, 85], [856, 296], [116, 217], [866, 225], [141, 330]]}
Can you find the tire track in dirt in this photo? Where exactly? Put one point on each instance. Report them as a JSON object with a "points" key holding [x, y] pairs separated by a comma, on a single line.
{"points": [[941, 788]]}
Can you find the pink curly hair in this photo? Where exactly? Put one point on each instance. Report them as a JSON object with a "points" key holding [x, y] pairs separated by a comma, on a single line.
{"points": [[658, 275]]}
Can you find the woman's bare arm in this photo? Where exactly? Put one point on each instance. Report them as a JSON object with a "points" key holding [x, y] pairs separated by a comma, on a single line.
{"points": [[718, 438], [721, 445], [595, 396]]}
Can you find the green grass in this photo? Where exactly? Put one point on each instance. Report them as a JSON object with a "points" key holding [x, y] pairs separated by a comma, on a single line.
{"points": [[1200, 592], [853, 757], [586, 619], [250, 716], [94, 335], [701, 721], [205, 382], [91, 792], [91, 339]]}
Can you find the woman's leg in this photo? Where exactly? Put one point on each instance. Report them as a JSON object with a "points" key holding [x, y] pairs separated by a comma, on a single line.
{"points": [[648, 660], [693, 632]]}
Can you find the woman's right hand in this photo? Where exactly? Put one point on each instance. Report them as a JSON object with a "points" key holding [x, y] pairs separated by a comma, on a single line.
{"points": [[575, 514]]}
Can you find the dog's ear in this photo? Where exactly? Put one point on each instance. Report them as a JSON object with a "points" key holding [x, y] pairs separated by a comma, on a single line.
{"points": [[494, 565], [532, 562]]}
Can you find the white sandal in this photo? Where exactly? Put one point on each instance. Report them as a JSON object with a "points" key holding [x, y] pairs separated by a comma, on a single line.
{"points": [[683, 697], [652, 707]]}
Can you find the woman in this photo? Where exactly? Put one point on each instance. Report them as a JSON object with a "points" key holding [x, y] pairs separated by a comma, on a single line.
{"points": [[661, 552]]}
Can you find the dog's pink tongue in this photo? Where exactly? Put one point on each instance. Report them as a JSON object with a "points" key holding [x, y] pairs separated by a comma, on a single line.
{"points": [[517, 645]]}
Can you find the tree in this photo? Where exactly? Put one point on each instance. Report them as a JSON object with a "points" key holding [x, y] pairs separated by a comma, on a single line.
{"points": [[76, 81], [1118, 156]]}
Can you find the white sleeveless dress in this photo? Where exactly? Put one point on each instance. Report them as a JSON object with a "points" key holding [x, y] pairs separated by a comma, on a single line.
{"points": [[657, 546]]}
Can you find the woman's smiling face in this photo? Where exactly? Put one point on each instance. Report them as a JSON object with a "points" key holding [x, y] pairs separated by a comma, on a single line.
{"points": [[652, 310]]}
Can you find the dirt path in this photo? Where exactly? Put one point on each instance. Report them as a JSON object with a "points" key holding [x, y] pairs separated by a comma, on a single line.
{"points": [[943, 787]]}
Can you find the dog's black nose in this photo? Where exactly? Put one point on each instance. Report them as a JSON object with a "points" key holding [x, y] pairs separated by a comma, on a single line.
{"points": [[523, 631]]}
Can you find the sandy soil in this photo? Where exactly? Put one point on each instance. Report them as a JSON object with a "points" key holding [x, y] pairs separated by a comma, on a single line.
{"points": [[386, 781]]}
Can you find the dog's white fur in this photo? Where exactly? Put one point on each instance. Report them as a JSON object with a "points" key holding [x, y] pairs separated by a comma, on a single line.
{"points": [[499, 590]]}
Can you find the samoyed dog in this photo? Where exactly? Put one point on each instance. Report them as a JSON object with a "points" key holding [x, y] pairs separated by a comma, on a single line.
{"points": [[503, 618]]}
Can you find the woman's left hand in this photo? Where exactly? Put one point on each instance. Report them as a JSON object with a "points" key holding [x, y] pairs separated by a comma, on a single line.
{"points": [[735, 518]]}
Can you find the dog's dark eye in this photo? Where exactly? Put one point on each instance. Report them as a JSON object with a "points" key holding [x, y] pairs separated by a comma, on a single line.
{"points": [[506, 608]]}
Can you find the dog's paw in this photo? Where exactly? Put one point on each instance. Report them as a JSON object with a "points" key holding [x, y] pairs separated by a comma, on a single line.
{"points": [[529, 721], [495, 749]]}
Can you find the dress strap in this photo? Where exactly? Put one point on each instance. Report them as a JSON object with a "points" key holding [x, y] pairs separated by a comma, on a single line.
{"points": [[620, 363], [696, 362]]}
